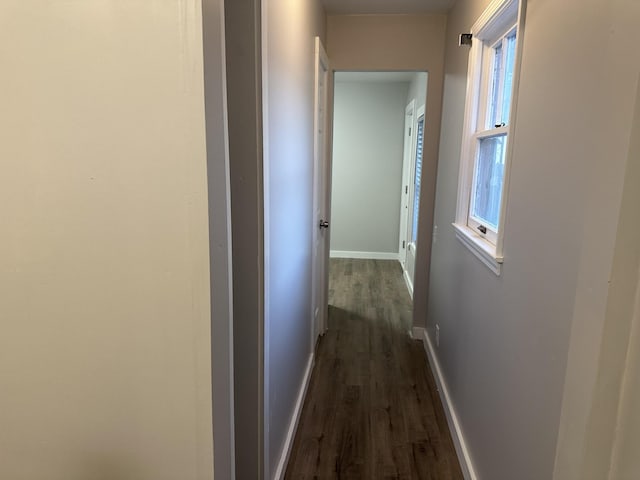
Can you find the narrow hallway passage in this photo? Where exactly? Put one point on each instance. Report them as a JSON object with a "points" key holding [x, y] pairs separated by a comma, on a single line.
{"points": [[372, 409]]}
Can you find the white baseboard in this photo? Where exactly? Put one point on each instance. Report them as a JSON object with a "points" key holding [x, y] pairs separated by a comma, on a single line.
{"points": [[293, 424], [407, 280], [417, 333], [459, 442], [364, 255]]}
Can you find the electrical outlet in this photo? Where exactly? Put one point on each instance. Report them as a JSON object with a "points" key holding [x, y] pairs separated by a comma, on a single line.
{"points": [[437, 335]]}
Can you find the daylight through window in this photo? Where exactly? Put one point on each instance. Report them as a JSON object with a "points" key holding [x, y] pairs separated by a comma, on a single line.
{"points": [[492, 77]]}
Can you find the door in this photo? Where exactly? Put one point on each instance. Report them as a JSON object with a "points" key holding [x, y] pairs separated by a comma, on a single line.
{"points": [[417, 141], [320, 225], [406, 183]]}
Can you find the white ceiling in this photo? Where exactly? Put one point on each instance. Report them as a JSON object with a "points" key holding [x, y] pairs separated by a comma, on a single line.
{"points": [[344, 7], [374, 77]]}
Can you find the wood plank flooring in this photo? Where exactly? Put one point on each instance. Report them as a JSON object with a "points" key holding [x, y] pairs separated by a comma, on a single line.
{"points": [[372, 410]]}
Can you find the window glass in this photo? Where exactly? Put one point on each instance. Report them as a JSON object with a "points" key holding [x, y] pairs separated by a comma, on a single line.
{"points": [[416, 196], [504, 57], [487, 188], [494, 106], [508, 76]]}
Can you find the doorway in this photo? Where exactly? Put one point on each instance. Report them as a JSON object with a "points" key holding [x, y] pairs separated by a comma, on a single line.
{"points": [[378, 133], [370, 376]]}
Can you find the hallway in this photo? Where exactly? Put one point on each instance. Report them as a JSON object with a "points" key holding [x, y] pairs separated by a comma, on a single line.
{"points": [[372, 409]]}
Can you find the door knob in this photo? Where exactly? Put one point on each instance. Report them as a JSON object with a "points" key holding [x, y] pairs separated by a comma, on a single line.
{"points": [[324, 224]]}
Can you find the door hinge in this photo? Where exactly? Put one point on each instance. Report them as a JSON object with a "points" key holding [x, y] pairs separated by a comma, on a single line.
{"points": [[406, 189], [403, 243], [409, 131]]}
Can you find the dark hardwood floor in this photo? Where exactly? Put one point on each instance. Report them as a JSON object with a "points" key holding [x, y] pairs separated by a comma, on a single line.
{"points": [[372, 410]]}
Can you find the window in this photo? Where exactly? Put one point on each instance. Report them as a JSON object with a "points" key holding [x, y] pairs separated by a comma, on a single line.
{"points": [[492, 80], [416, 182]]}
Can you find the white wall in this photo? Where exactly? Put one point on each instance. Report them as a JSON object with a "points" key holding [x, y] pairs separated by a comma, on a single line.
{"points": [[505, 342], [418, 89], [624, 308], [289, 30], [105, 332], [625, 462], [610, 421], [367, 165]]}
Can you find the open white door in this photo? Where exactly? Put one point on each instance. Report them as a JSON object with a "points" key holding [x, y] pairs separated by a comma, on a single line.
{"points": [[417, 141], [320, 223], [406, 181]]}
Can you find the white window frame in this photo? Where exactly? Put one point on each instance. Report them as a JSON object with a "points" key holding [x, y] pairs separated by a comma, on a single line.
{"points": [[500, 18]]}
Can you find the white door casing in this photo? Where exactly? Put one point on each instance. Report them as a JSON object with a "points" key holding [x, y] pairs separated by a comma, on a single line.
{"points": [[320, 235]]}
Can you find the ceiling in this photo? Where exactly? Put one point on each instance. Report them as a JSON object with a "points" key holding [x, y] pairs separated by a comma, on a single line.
{"points": [[345, 7]]}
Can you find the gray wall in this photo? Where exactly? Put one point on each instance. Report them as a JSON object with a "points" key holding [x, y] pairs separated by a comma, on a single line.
{"points": [[367, 165], [105, 331], [288, 69], [243, 57], [505, 342], [219, 238]]}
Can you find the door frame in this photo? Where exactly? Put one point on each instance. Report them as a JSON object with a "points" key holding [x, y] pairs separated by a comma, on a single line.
{"points": [[320, 193]]}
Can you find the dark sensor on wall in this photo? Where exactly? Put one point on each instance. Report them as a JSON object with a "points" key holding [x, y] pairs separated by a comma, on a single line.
{"points": [[465, 39]]}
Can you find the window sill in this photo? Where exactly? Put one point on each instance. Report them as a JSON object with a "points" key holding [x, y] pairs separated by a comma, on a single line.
{"points": [[481, 248]]}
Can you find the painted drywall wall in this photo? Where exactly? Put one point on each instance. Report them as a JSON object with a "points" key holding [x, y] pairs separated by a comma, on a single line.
{"points": [[625, 462], [505, 342], [418, 89], [219, 196], [243, 59], [609, 422], [288, 35], [105, 330], [400, 42], [367, 165]]}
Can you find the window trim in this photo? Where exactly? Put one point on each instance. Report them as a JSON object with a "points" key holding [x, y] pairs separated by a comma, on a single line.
{"points": [[495, 21]]}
